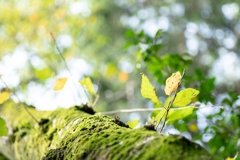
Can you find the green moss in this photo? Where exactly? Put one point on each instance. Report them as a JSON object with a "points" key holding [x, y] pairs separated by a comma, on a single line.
{"points": [[72, 134]]}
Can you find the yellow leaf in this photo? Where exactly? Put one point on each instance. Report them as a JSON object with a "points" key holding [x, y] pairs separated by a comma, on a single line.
{"points": [[132, 124], [59, 84], [193, 127], [148, 91], [88, 84], [4, 96], [122, 76], [172, 83]]}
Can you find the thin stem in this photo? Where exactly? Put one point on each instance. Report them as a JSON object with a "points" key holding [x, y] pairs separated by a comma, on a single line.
{"points": [[171, 102], [149, 109], [65, 63], [20, 102]]}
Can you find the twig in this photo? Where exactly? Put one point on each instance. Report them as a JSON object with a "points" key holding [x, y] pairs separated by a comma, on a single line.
{"points": [[95, 100], [150, 109], [65, 63], [171, 102], [20, 102]]}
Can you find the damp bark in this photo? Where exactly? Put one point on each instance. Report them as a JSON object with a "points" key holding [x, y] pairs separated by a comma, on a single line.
{"points": [[72, 134]]}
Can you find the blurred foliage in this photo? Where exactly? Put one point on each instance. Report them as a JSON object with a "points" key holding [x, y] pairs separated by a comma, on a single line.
{"points": [[122, 38]]}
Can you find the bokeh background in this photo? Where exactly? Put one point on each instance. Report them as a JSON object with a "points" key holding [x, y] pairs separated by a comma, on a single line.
{"points": [[113, 42]]}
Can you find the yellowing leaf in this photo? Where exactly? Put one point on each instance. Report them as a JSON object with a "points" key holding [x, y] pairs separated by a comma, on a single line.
{"points": [[88, 84], [111, 70], [174, 115], [185, 96], [193, 127], [133, 123], [172, 83], [148, 91], [3, 128], [122, 76], [59, 84], [4, 96]]}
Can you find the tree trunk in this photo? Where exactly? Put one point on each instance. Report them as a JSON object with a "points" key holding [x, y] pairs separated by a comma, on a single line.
{"points": [[75, 135]]}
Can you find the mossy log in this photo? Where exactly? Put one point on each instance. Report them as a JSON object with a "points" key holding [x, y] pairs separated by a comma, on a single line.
{"points": [[71, 134]]}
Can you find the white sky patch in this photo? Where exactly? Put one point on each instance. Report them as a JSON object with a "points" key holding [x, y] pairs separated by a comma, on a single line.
{"points": [[79, 67], [65, 40], [11, 64], [230, 10], [81, 7], [205, 30], [192, 46], [191, 30], [143, 14], [226, 68], [125, 66], [230, 40], [178, 9], [37, 62], [164, 11], [133, 22], [43, 97]]}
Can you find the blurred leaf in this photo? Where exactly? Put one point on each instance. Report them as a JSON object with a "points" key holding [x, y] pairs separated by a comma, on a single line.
{"points": [[111, 70], [87, 82], [130, 34], [3, 128], [148, 91], [185, 96], [59, 84], [122, 76], [193, 127], [172, 83], [174, 115], [132, 124], [4, 96], [44, 73], [234, 158], [158, 33]]}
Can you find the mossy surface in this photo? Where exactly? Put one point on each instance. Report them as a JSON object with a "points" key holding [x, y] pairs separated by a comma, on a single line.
{"points": [[72, 134]]}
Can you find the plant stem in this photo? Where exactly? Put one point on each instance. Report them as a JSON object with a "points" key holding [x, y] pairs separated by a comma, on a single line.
{"points": [[171, 102]]}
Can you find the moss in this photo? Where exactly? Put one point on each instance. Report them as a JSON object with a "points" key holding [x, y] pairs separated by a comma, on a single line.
{"points": [[71, 134]]}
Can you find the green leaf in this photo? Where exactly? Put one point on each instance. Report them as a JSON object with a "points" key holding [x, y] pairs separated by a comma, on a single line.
{"points": [[4, 96], [88, 84], [185, 97], [44, 73], [174, 115], [148, 91], [132, 124], [158, 33], [130, 34], [155, 113], [3, 128], [160, 116], [167, 101]]}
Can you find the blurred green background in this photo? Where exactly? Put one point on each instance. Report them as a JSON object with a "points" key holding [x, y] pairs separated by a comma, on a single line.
{"points": [[113, 42]]}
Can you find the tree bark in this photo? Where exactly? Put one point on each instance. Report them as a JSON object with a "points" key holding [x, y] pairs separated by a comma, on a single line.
{"points": [[75, 135]]}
